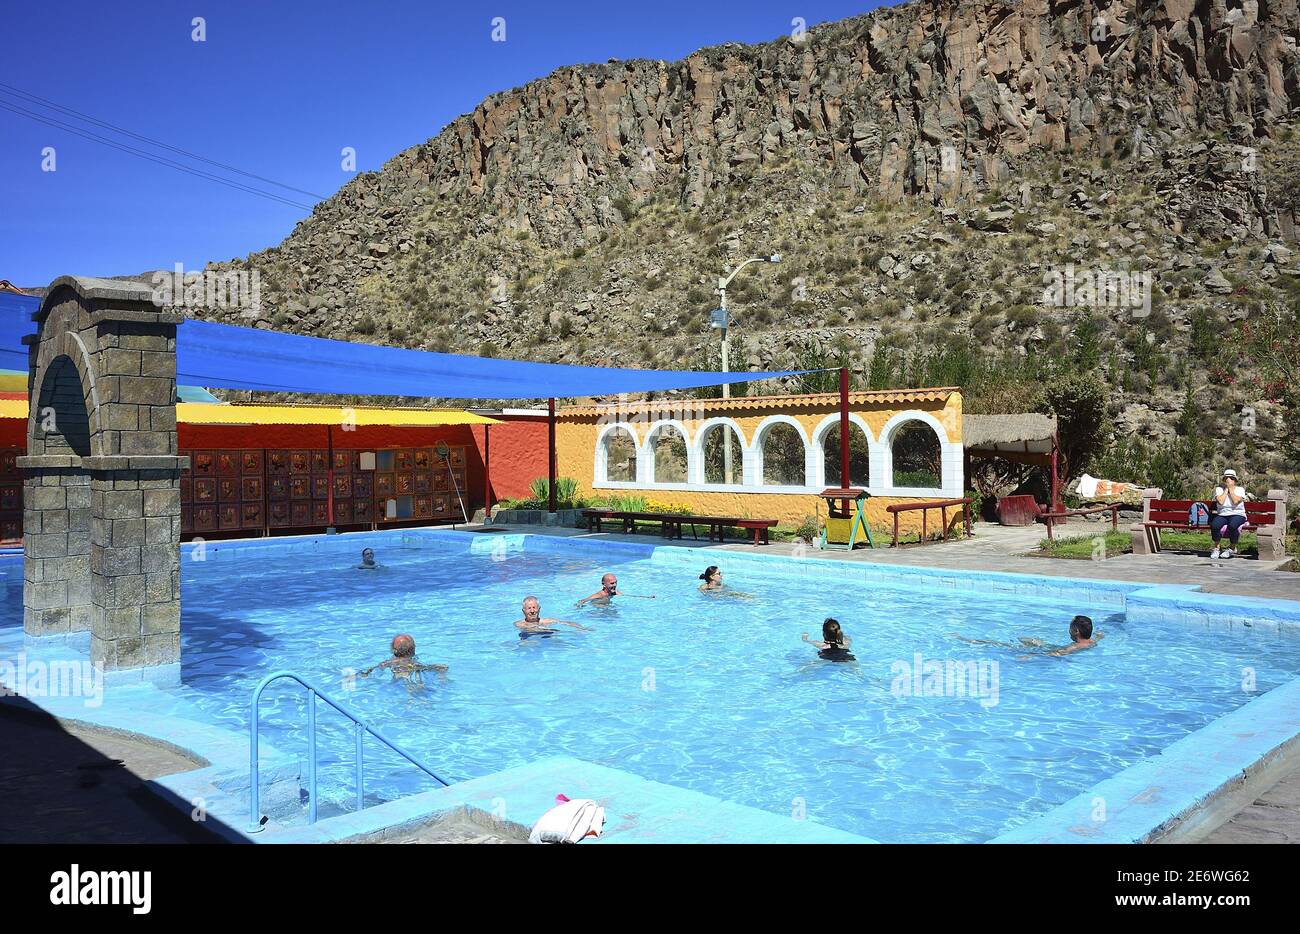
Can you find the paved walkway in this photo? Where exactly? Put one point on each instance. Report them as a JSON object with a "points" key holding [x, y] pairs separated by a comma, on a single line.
{"points": [[466, 825], [1274, 817], [64, 783], [999, 548]]}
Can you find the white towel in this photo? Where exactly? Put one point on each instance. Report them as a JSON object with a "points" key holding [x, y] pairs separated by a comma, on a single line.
{"points": [[569, 822]]}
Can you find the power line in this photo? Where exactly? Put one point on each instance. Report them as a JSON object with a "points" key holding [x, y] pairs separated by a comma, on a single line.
{"points": [[130, 150], [33, 98]]}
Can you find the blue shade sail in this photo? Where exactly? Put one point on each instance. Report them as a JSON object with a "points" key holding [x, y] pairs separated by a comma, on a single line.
{"points": [[230, 357]]}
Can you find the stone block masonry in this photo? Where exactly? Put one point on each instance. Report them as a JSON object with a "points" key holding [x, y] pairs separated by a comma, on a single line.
{"points": [[102, 487]]}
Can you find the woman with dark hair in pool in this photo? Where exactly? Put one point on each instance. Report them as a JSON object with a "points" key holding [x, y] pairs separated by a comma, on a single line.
{"points": [[713, 584], [712, 578], [834, 646], [367, 560]]}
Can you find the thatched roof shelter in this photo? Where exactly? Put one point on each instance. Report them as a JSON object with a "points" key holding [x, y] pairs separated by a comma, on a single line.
{"points": [[1009, 435], [1026, 438]]}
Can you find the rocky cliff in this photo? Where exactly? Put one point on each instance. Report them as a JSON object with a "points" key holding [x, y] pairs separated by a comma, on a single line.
{"points": [[924, 169]]}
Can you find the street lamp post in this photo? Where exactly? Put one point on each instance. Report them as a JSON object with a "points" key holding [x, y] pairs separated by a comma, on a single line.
{"points": [[723, 282], [722, 323]]}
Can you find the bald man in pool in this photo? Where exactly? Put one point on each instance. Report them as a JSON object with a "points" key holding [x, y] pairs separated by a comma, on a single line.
{"points": [[534, 624], [404, 665], [608, 590]]}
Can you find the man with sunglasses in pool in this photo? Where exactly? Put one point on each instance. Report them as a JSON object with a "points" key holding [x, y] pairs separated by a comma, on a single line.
{"points": [[534, 624]]}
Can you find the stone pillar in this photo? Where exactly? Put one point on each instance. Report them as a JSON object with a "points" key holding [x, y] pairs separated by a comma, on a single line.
{"points": [[1143, 538], [103, 474], [1272, 538], [56, 537]]}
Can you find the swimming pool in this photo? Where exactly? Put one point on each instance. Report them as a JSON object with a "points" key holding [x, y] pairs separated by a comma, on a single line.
{"points": [[717, 695]]}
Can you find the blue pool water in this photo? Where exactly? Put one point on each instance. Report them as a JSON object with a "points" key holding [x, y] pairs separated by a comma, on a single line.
{"points": [[714, 694]]}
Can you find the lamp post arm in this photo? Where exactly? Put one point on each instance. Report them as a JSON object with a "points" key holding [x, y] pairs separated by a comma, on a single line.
{"points": [[727, 281]]}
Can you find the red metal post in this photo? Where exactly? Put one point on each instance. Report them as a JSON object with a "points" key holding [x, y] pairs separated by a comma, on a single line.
{"points": [[329, 498], [487, 474], [266, 496], [1056, 496], [550, 441], [844, 432]]}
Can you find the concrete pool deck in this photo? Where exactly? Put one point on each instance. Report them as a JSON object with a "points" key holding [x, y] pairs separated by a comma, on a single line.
{"points": [[81, 784], [1004, 549]]}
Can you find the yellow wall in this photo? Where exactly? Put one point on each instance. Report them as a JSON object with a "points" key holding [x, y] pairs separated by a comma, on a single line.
{"points": [[579, 426]]}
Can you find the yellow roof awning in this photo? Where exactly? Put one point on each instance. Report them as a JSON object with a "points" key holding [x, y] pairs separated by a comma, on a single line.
{"points": [[201, 413], [13, 381], [205, 413]]}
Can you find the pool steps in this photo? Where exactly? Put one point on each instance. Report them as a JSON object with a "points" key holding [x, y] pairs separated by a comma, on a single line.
{"points": [[361, 729]]}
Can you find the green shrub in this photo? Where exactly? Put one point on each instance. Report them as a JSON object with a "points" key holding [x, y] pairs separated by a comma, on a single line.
{"points": [[566, 492], [808, 530]]}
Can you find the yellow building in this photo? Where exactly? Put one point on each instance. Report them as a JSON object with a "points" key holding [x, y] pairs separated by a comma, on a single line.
{"points": [[783, 451]]}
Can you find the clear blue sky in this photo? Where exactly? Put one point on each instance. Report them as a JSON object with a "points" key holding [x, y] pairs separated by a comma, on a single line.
{"points": [[278, 89]]}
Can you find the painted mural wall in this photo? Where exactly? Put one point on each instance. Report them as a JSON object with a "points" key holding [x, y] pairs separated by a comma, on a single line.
{"points": [[517, 452]]}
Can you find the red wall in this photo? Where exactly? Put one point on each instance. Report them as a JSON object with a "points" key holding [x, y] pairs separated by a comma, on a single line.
{"points": [[517, 455], [517, 448], [13, 433]]}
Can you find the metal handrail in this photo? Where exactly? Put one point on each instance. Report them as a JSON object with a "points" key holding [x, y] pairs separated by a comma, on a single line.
{"points": [[362, 728]]}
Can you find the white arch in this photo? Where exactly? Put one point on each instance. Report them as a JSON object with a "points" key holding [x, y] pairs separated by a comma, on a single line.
{"points": [[912, 415], [600, 466], [701, 433], [646, 454], [950, 454], [819, 444], [755, 450], [833, 420]]}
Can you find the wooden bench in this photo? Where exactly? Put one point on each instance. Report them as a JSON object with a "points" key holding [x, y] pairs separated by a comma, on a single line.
{"points": [[1266, 518], [672, 523]]}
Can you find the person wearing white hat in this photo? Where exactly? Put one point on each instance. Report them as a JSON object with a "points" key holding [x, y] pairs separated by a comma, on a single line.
{"points": [[1229, 514]]}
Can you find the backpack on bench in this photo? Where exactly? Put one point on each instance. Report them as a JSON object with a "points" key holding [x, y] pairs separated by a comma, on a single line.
{"points": [[1198, 515]]}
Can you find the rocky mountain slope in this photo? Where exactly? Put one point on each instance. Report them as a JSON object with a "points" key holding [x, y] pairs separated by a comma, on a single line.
{"points": [[925, 170]]}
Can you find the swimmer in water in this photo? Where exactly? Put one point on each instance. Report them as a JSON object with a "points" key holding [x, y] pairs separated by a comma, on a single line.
{"points": [[534, 623], [1080, 638], [608, 590], [713, 584], [834, 646], [367, 560], [404, 665]]}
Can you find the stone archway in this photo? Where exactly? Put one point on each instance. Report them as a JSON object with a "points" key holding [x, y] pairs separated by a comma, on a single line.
{"points": [[102, 476]]}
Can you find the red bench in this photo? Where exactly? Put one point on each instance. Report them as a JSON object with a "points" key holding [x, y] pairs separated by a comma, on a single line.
{"points": [[672, 523], [1266, 518]]}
